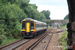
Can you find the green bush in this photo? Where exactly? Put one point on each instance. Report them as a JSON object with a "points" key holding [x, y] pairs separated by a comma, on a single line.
{"points": [[63, 41], [0, 41], [2, 33], [3, 38]]}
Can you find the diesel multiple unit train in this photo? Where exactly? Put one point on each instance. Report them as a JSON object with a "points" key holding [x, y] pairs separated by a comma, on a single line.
{"points": [[31, 27]]}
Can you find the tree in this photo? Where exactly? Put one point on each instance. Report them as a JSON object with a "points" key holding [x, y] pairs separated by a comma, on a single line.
{"points": [[46, 13], [12, 12], [66, 17]]}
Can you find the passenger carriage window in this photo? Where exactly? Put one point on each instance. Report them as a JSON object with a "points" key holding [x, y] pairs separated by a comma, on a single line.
{"points": [[23, 25]]}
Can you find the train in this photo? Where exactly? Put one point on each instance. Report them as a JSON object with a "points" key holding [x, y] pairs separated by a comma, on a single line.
{"points": [[31, 28]]}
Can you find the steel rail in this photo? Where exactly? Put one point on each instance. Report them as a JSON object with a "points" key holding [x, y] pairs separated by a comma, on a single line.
{"points": [[48, 42], [35, 43], [21, 44], [50, 39], [15, 45], [10, 44]]}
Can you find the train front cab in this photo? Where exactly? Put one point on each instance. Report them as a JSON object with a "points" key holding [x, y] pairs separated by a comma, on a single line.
{"points": [[27, 28]]}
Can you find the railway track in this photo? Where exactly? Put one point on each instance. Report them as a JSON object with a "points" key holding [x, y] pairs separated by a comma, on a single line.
{"points": [[30, 44], [35, 43], [45, 48], [48, 43], [42, 45], [10, 44], [14, 44], [46, 40], [34, 46], [40, 40]]}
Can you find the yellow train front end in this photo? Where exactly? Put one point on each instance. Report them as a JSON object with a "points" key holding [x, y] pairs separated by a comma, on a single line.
{"points": [[27, 28]]}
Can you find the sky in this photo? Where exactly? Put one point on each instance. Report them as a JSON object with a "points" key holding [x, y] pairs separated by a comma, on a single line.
{"points": [[58, 8]]}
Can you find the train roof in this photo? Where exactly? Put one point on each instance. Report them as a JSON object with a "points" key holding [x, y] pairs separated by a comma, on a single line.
{"points": [[34, 20]]}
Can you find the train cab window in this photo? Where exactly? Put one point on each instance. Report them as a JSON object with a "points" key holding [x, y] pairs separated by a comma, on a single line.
{"points": [[32, 24], [23, 25]]}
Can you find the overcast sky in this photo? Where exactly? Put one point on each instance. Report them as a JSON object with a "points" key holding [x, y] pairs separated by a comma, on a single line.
{"points": [[58, 8]]}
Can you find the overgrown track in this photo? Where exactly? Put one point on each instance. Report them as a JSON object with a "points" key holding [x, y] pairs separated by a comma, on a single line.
{"points": [[14, 44]]}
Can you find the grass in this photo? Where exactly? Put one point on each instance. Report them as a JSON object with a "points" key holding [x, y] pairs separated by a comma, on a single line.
{"points": [[9, 40], [63, 26], [63, 41]]}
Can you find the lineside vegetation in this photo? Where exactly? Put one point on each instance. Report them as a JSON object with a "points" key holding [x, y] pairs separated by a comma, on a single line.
{"points": [[12, 12], [63, 40]]}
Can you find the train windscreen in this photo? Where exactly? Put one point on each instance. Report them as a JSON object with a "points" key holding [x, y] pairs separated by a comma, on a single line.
{"points": [[32, 25], [23, 25]]}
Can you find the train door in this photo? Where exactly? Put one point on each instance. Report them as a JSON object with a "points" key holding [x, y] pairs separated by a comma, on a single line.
{"points": [[27, 26]]}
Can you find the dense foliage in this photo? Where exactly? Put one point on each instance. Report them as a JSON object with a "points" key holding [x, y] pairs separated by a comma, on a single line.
{"points": [[46, 13], [12, 12], [66, 17]]}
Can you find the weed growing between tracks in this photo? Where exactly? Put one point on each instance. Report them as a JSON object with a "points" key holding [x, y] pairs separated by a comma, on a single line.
{"points": [[63, 40]]}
